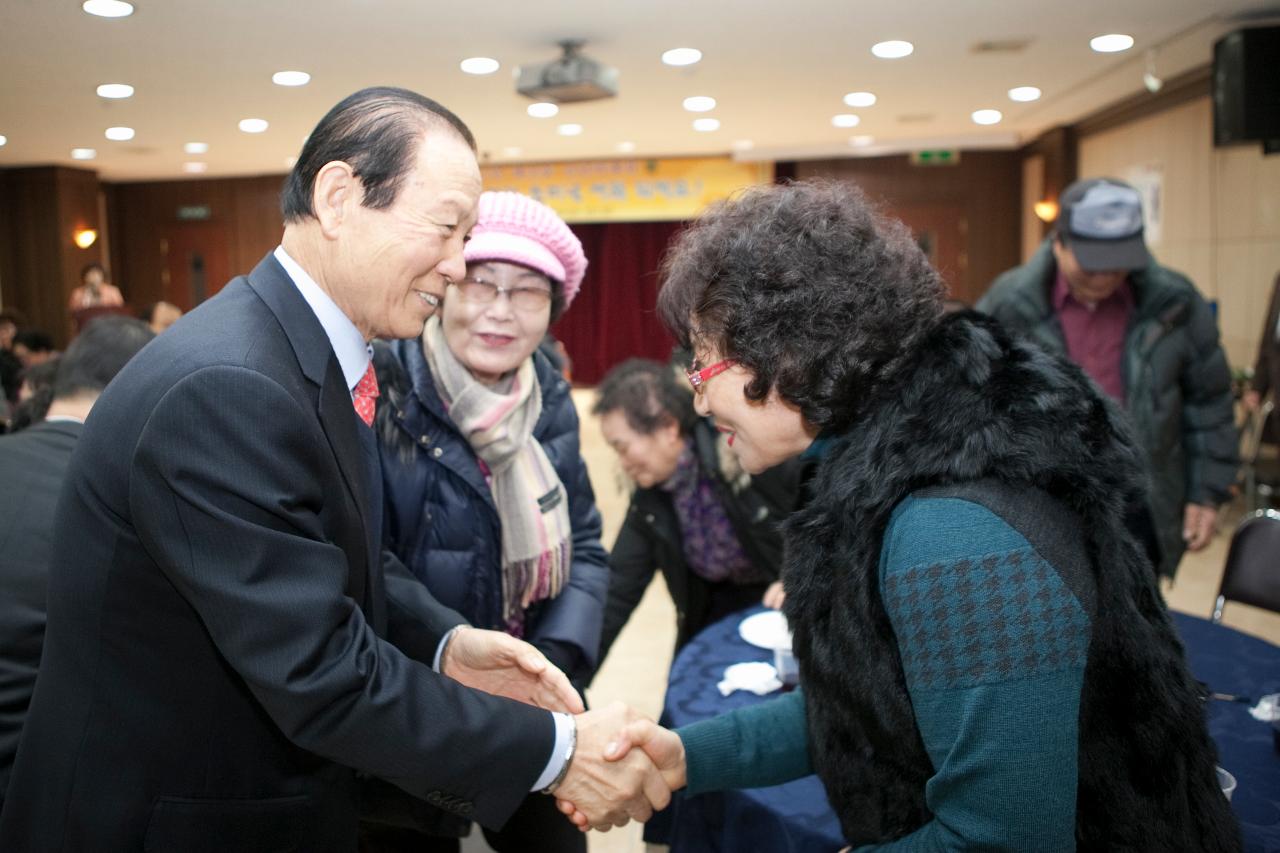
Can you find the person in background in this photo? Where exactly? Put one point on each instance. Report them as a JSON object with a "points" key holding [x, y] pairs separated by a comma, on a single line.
{"points": [[161, 315], [94, 290], [1266, 371], [10, 366], [1144, 334], [33, 347], [32, 468], [712, 529], [488, 499], [985, 660], [34, 395]]}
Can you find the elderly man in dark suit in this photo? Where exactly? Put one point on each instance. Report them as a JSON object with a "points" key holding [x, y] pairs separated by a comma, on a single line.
{"points": [[33, 464], [228, 649]]}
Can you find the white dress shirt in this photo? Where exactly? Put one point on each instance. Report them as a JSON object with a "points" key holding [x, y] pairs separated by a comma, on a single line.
{"points": [[354, 355]]}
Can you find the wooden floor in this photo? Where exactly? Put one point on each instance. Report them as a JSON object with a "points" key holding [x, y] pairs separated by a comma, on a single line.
{"points": [[636, 670]]}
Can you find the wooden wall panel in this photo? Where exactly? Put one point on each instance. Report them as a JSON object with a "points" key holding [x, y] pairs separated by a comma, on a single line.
{"points": [[982, 192], [39, 262], [141, 214]]}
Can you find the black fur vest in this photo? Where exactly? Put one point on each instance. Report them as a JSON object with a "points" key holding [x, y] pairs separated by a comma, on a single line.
{"points": [[977, 405]]}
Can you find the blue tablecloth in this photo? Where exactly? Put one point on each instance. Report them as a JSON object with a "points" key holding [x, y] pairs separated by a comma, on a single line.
{"points": [[796, 817]]}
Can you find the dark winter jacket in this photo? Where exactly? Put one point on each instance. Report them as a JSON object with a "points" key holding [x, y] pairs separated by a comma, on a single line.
{"points": [[976, 407], [1177, 381], [441, 520], [650, 537]]}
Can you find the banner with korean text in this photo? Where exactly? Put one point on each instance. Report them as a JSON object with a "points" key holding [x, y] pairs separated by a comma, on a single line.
{"points": [[638, 190]]}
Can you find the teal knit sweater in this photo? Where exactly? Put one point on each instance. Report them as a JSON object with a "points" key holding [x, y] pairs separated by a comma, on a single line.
{"points": [[993, 645]]}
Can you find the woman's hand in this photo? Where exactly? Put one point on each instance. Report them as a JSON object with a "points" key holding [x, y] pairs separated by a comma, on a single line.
{"points": [[774, 596]]}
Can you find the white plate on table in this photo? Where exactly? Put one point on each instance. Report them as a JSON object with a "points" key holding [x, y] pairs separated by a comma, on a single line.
{"points": [[768, 630]]}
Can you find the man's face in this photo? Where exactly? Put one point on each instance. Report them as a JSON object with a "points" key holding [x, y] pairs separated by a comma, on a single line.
{"points": [[1087, 287], [390, 258], [94, 278], [7, 332]]}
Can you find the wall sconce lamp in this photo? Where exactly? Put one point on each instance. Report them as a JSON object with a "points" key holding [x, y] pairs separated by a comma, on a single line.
{"points": [[85, 237], [1046, 210]]}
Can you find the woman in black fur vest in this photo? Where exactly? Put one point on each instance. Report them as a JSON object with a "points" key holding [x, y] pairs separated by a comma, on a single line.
{"points": [[986, 661]]}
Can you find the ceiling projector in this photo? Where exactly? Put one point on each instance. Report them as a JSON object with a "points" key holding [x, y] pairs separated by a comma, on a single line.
{"points": [[572, 77]]}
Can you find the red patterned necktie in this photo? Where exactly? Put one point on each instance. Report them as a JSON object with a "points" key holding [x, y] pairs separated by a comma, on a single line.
{"points": [[366, 395]]}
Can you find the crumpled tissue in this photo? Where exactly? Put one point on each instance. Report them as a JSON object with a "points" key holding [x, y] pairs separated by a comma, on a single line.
{"points": [[758, 677], [1268, 709]]}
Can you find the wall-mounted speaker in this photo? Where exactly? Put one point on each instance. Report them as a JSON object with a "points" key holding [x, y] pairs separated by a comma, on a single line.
{"points": [[1246, 86]]}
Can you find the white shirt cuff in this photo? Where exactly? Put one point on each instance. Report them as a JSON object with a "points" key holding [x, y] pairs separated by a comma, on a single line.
{"points": [[564, 736]]}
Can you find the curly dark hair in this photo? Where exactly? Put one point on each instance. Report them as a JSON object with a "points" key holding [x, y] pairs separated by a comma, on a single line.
{"points": [[809, 287], [649, 395]]}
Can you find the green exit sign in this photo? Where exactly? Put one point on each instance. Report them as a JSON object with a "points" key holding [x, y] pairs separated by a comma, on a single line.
{"points": [[940, 157]]}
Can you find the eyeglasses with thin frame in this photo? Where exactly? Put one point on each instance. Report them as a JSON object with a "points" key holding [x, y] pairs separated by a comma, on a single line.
{"points": [[698, 376], [522, 298]]}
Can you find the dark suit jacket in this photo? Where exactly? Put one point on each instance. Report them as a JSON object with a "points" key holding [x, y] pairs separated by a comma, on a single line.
{"points": [[224, 652], [32, 466]]}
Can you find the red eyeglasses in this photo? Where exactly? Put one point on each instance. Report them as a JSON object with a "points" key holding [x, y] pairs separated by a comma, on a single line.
{"points": [[697, 376]]}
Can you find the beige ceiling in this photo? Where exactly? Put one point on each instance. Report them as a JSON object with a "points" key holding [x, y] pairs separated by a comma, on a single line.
{"points": [[778, 71]]}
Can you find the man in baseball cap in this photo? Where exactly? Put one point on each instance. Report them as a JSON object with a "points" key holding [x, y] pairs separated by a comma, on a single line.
{"points": [[1143, 333]]}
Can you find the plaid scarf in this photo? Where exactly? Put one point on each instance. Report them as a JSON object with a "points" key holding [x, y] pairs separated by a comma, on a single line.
{"points": [[533, 507]]}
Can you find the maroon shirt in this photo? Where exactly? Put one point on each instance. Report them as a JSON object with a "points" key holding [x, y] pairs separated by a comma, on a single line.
{"points": [[1095, 335]]}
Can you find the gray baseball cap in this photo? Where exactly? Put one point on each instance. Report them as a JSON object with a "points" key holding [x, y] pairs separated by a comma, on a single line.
{"points": [[1100, 220]]}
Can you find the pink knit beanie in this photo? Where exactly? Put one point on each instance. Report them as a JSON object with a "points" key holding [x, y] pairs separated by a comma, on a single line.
{"points": [[513, 227]]}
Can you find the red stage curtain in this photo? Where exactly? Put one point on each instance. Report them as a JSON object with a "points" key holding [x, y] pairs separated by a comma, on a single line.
{"points": [[613, 318]]}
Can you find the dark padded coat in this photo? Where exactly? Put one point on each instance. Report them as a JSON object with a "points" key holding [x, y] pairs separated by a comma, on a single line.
{"points": [[1177, 381], [441, 520]]}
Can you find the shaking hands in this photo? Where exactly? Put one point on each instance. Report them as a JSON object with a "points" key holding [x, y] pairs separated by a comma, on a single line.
{"points": [[624, 768]]}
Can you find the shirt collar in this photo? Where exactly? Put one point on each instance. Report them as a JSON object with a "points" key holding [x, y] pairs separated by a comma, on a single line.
{"points": [[348, 344], [1062, 292]]}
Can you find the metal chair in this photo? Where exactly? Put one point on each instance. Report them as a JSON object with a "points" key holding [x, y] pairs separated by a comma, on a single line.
{"points": [[1252, 573]]}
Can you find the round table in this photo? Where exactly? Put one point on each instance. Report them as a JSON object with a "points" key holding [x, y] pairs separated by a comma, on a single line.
{"points": [[796, 816]]}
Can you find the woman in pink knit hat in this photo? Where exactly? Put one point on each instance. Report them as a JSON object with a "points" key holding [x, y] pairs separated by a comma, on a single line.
{"points": [[487, 497]]}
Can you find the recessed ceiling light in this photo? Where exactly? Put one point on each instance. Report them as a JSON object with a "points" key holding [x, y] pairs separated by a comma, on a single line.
{"points": [[860, 99], [3, 141], [119, 134], [291, 78], [682, 56], [626, 147], [986, 116], [706, 125], [845, 120], [512, 151], [569, 129], [892, 49], [542, 109], [861, 140], [83, 153], [1111, 43], [699, 104], [1024, 93], [108, 8], [743, 145], [195, 168], [479, 65], [253, 125], [115, 90], [196, 147]]}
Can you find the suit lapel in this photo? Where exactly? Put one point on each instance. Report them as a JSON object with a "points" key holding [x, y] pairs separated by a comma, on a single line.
{"points": [[333, 407]]}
